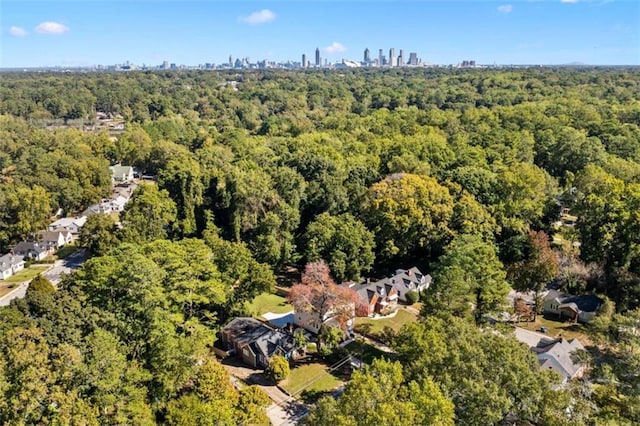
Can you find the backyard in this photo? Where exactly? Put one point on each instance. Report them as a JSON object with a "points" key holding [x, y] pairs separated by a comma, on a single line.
{"points": [[376, 327], [555, 328], [269, 303]]}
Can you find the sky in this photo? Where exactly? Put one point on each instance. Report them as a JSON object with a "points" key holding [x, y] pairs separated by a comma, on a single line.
{"points": [[91, 32]]}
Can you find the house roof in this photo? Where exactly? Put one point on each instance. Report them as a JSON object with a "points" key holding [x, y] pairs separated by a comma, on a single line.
{"points": [[410, 278], [47, 236], [9, 260], [584, 303], [562, 351], [30, 246], [273, 342], [244, 330], [68, 221]]}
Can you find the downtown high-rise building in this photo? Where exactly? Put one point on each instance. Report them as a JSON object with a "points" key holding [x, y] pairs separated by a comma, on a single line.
{"points": [[392, 57], [413, 58], [380, 58], [367, 56], [401, 58], [304, 60], [318, 57]]}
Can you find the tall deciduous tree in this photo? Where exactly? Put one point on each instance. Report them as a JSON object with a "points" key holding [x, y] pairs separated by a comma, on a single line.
{"points": [[321, 298], [407, 213], [149, 214], [537, 269], [343, 241], [469, 278]]}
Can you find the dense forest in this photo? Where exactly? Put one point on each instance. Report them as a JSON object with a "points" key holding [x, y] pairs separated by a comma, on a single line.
{"points": [[462, 172]]}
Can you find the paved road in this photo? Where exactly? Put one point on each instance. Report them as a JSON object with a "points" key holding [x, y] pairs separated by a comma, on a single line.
{"points": [[17, 293], [66, 266], [285, 411]]}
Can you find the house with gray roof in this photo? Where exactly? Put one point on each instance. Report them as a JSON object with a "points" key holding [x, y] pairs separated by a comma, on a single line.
{"points": [[71, 224], [557, 355], [33, 250], [55, 239], [10, 264], [406, 280], [378, 297], [575, 308], [256, 342]]}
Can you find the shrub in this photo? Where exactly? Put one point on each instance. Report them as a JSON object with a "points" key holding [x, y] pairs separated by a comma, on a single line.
{"points": [[412, 297], [278, 368]]}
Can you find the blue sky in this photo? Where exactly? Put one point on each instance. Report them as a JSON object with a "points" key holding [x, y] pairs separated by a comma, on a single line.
{"points": [[74, 33]]}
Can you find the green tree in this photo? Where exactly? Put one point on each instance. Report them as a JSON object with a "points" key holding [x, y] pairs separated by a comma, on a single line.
{"points": [[40, 285], [407, 213], [149, 215], [278, 368], [469, 278], [343, 241], [98, 234]]}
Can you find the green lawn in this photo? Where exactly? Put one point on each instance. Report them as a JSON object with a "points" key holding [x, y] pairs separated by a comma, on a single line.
{"points": [[269, 303], [311, 378], [375, 327], [26, 274], [555, 328], [67, 250]]}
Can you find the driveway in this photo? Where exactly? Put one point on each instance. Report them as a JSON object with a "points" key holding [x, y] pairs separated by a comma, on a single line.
{"points": [[17, 293], [284, 411], [66, 266]]}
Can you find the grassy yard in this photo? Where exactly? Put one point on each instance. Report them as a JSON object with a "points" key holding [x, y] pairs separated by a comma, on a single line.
{"points": [[555, 328], [311, 378], [66, 251], [269, 303], [26, 274], [375, 327]]}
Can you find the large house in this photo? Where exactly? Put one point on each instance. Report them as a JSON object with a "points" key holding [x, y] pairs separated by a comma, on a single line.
{"points": [[256, 343], [557, 355], [375, 298], [575, 308], [71, 224], [406, 280], [33, 250], [10, 264], [55, 239]]}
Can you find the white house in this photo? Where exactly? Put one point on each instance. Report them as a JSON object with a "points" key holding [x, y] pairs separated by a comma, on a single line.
{"points": [[33, 250], [121, 173], [575, 308], [9, 265], [71, 224], [310, 321], [55, 239]]}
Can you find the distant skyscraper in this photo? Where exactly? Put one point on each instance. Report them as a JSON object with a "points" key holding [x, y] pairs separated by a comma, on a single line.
{"points": [[401, 58], [413, 58], [165, 65], [392, 57], [380, 58], [367, 56], [230, 61], [317, 57], [304, 60]]}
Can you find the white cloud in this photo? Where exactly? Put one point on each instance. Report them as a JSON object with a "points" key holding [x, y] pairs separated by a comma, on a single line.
{"points": [[568, 1], [334, 47], [17, 32], [51, 28], [261, 17], [505, 8]]}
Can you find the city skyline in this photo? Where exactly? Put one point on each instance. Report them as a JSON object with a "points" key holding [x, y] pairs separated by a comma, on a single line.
{"points": [[54, 33]]}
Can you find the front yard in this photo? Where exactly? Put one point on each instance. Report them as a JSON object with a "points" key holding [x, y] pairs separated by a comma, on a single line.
{"points": [[311, 379], [366, 352], [26, 274], [376, 327]]}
